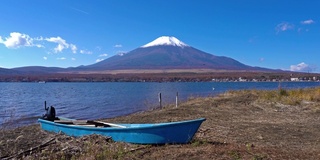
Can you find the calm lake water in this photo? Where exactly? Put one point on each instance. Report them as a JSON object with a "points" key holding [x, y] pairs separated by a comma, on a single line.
{"points": [[23, 103]]}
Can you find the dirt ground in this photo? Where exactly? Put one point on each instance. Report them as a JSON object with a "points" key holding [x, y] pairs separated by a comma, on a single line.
{"points": [[237, 126]]}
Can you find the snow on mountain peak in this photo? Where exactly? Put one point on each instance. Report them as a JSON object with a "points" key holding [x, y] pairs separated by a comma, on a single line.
{"points": [[165, 40]]}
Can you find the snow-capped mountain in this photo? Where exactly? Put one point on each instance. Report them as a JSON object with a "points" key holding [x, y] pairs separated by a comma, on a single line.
{"points": [[165, 40], [169, 53]]}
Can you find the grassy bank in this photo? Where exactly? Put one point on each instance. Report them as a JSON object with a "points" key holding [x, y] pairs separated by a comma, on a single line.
{"points": [[289, 97], [246, 124]]}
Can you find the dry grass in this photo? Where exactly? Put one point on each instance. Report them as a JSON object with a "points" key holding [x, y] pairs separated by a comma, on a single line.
{"points": [[288, 97]]}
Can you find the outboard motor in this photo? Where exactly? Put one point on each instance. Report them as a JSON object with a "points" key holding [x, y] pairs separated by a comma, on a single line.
{"points": [[51, 112]]}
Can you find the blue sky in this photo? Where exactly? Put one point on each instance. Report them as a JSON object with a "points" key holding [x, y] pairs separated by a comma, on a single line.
{"points": [[277, 34]]}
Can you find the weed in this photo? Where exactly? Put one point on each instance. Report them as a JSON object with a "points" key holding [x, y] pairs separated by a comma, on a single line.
{"points": [[249, 147], [283, 92], [235, 155], [259, 157], [197, 142]]}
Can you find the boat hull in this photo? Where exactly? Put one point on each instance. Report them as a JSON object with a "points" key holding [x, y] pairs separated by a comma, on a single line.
{"points": [[159, 133]]}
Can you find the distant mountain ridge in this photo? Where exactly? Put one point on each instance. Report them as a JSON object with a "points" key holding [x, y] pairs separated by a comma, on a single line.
{"points": [[162, 53], [39, 69], [8, 72]]}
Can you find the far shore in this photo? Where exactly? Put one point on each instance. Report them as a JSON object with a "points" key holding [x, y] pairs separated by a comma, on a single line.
{"points": [[163, 75]]}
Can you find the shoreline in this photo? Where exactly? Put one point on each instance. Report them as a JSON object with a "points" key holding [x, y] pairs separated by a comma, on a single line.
{"points": [[277, 124]]}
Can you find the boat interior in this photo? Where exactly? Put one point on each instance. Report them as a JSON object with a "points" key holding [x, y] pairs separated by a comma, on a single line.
{"points": [[87, 123]]}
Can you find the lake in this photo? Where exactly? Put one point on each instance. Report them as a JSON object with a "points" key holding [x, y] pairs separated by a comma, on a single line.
{"points": [[23, 103]]}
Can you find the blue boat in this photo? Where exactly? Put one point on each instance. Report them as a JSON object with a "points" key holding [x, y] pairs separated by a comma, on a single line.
{"points": [[157, 133]]}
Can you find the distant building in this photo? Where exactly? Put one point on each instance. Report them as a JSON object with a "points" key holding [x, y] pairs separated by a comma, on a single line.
{"points": [[294, 79], [242, 79]]}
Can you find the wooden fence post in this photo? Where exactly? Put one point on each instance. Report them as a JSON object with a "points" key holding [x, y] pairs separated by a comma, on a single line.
{"points": [[177, 100], [160, 100]]}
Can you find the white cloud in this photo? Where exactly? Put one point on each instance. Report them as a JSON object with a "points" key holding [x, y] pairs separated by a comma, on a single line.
{"points": [[301, 67], [85, 52], [62, 44], [99, 60], [73, 59], [309, 21], [45, 58], [284, 26], [61, 58], [73, 48], [98, 48], [17, 40], [121, 53], [103, 55], [117, 46]]}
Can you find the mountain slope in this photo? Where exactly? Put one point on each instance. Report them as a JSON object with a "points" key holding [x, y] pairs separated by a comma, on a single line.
{"points": [[169, 53], [168, 57]]}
